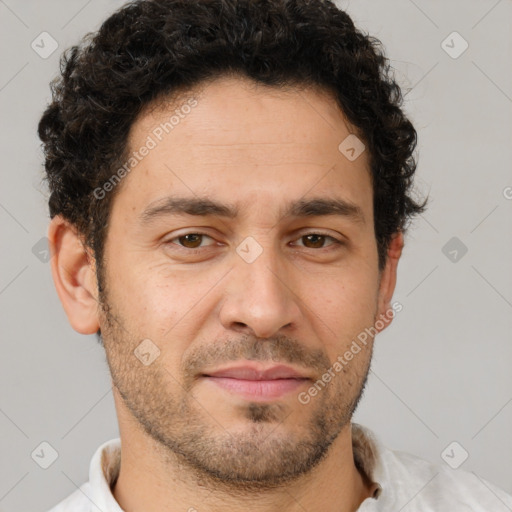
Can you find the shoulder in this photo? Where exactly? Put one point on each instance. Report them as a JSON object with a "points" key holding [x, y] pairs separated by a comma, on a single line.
{"points": [[414, 484], [420, 483], [78, 501], [95, 494]]}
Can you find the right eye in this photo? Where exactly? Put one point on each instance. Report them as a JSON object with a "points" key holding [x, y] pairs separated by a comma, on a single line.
{"points": [[189, 241]]}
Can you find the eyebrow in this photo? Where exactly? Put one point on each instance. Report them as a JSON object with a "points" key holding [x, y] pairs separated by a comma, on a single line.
{"points": [[314, 207]]}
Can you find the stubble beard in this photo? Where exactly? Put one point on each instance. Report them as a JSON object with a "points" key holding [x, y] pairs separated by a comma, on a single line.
{"points": [[260, 456]]}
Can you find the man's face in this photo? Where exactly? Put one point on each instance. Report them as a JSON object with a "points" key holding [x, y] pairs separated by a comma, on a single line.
{"points": [[245, 293]]}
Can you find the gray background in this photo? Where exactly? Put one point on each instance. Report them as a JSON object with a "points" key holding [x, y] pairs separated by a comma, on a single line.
{"points": [[441, 371]]}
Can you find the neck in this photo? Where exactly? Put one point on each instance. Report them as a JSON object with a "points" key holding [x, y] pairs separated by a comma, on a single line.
{"points": [[152, 481]]}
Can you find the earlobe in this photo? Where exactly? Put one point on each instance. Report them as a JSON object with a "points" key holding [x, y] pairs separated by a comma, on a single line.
{"points": [[389, 275], [74, 276]]}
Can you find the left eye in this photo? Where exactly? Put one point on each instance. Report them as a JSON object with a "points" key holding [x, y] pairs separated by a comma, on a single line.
{"points": [[193, 240], [318, 239]]}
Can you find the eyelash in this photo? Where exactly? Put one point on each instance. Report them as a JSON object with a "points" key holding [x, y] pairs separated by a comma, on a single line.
{"points": [[335, 241]]}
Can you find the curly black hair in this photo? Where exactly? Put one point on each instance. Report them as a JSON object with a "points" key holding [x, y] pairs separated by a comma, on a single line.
{"points": [[152, 49]]}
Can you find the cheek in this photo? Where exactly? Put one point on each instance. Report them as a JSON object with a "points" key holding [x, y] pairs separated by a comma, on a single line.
{"points": [[161, 303], [342, 305]]}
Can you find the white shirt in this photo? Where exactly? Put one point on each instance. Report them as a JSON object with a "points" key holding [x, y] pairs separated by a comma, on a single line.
{"points": [[401, 482]]}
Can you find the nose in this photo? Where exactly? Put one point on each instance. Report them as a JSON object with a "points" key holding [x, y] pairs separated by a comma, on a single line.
{"points": [[259, 297]]}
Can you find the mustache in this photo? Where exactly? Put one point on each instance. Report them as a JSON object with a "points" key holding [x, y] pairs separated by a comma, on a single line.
{"points": [[281, 349]]}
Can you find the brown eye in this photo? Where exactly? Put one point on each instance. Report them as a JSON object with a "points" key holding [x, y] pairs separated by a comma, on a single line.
{"points": [[317, 240], [191, 240]]}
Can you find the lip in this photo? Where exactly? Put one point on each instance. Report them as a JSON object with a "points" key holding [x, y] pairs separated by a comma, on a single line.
{"points": [[256, 372], [257, 383]]}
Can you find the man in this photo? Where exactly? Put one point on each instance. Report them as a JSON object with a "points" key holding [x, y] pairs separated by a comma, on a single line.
{"points": [[230, 189]]}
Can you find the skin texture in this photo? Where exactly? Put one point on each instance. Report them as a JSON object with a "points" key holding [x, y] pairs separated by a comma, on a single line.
{"points": [[186, 442]]}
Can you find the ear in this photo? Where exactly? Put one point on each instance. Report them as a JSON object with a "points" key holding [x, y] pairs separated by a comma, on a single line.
{"points": [[388, 278], [74, 275]]}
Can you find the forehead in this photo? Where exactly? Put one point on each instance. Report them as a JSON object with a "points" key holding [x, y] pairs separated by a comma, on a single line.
{"points": [[235, 139]]}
